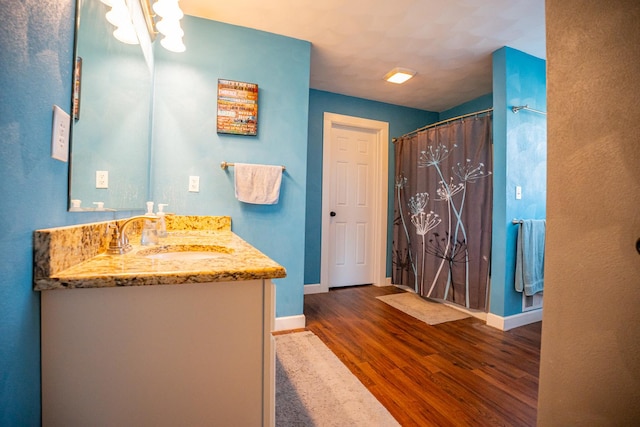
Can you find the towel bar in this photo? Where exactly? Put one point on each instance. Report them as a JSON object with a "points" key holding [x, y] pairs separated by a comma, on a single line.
{"points": [[225, 165], [520, 221]]}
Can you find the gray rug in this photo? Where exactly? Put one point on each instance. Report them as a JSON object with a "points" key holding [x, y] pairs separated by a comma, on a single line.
{"points": [[314, 388], [429, 312]]}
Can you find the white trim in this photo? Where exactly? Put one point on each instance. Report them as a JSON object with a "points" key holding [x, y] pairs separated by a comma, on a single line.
{"points": [[387, 282], [313, 289], [514, 321], [381, 130], [290, 322]]}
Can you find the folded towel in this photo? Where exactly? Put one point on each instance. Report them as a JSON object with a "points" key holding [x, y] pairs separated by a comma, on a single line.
{"points": [[530, 257], [258, 184]]}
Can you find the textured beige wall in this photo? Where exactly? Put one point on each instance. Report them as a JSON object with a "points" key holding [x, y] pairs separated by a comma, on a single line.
{"points": [[590, 361]]}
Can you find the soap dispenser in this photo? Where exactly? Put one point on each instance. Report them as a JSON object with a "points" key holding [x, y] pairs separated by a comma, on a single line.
{"points": [[161, 224], [149, 230]]}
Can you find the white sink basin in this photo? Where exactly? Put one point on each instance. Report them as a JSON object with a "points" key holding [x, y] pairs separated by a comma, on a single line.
{"points": [[184, 252], [183, 255]]}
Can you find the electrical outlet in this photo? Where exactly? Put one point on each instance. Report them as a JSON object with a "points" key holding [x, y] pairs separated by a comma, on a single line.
{"points": [[60, 134], [102, 179], [194, 184]]}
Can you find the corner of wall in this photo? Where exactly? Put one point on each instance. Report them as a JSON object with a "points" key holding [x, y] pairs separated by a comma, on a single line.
{"points": [[519, 159]]}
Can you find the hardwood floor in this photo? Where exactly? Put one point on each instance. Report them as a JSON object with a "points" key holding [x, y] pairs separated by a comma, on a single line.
{"points": [[460, 373]]}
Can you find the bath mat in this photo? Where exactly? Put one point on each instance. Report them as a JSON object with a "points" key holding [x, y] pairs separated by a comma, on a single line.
{"points": [[429, 312], [314, 388]]}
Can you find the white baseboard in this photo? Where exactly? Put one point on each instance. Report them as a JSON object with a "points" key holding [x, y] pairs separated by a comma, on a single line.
{"points": [[290, 322], [313, 289], [510, 322], [317, 289]]}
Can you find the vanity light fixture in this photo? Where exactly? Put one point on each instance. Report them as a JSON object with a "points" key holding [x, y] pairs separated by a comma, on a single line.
{"points": [[399, 75], [127, 30], [169, 25]]}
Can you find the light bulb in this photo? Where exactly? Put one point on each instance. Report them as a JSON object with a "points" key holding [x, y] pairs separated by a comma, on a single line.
{"points": [[119, 14], [126, 34], [173, 44], [168, 9], [169, 27]]}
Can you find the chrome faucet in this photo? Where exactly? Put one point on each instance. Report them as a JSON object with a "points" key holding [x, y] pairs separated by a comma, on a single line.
{"points": [[119, 241]]}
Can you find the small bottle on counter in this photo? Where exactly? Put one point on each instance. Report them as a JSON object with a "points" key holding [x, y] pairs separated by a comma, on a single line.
{"points": [[149, 230], [75, 205], [161, 223]]}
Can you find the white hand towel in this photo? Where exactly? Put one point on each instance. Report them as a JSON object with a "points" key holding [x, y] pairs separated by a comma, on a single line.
{"points": [[258, 184]]}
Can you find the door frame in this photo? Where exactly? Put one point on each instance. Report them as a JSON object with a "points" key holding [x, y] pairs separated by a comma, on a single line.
{"points": [[381, 182]]}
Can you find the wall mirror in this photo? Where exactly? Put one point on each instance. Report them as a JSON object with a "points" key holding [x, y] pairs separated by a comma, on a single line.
{"points": [[112, 130]]}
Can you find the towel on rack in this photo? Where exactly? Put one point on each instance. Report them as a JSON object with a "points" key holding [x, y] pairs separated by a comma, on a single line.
{"points": [[258, 184], [530, 256]]}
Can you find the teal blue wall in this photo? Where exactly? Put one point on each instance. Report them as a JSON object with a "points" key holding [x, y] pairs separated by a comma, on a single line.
{"points": [[478, 104], [401, 120], [520, 158], [36, 57], [186, 142]]}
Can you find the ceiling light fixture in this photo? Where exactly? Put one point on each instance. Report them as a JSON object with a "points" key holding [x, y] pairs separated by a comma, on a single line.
{"points": [[399, 75]]}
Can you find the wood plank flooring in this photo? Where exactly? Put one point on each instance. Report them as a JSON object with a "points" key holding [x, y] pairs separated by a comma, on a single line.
{"points": [[460, 373]]}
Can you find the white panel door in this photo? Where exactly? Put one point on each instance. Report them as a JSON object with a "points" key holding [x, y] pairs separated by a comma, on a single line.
{"points": [[352, 204]]}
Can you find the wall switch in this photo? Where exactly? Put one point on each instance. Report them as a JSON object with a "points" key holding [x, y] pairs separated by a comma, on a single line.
{"points": [[194, 184], [60, 134], [102, 179], [518, 192]]}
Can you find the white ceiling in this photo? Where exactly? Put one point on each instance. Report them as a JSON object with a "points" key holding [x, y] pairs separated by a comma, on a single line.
{"points": [[356, 42]]}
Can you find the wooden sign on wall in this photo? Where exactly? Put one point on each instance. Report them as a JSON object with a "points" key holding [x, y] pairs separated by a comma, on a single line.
{"points": [[237, 108]]}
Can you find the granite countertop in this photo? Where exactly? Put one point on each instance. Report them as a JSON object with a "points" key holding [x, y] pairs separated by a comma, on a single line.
{"points": [[231, 259]]}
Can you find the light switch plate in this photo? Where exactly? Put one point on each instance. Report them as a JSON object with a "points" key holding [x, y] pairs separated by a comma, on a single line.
{"points": [[60, 134], [518, 192], [194, 184]]}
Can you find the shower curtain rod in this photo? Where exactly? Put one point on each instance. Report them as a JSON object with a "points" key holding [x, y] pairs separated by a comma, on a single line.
{"points": [[476, 113]]}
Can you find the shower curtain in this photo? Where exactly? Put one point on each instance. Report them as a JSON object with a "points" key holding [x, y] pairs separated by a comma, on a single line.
{"points": [[443, 206]]}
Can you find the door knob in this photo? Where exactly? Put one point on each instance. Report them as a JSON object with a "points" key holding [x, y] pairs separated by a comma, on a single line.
{"points": [[332, 213]]}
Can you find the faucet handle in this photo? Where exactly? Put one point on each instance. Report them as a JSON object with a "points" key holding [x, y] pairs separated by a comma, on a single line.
{"points": [[117, 245]]}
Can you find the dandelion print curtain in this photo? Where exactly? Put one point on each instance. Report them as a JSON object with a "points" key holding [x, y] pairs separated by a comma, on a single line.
{"points": [[443, 198]]}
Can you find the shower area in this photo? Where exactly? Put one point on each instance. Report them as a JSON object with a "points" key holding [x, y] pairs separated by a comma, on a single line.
{"points": [[443, 210], [457, 192]]}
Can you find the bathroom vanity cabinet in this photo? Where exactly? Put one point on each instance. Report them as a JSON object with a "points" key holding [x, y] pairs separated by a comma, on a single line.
{"points": [[145, 339], [190, 354]]}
